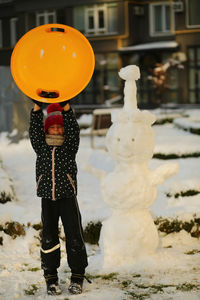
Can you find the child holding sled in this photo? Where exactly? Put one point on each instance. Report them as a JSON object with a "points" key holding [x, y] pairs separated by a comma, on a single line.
{"points": [[56, 143]]}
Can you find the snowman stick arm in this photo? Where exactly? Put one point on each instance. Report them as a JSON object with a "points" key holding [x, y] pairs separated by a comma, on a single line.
{"points": [[163, 172]]}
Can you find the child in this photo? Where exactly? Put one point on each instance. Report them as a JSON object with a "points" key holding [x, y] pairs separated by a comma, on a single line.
{"points": [[56, 143]]}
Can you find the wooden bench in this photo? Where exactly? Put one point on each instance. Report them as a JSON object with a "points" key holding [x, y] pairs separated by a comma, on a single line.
{"points": [[101, 121]]}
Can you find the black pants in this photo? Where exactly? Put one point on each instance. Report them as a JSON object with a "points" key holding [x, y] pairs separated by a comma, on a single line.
{"points": [[69, 212]]}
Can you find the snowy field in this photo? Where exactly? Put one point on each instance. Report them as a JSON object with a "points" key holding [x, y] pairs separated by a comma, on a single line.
{"points": [[173, 272]]}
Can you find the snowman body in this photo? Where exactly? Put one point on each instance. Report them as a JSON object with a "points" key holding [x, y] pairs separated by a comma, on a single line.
{"points": [[127, 237], [131, 188], [129, 192]]}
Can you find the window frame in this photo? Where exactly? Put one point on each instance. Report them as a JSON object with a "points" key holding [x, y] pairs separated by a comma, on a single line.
{"points": [[46, 14], [97, 30], [187, 17], [164, 32]]}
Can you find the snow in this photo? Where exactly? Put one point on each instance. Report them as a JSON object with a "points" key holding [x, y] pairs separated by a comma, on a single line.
{"points": [[170, 267], [168, 141], [187, 124], [85, 120], [154, 45]]}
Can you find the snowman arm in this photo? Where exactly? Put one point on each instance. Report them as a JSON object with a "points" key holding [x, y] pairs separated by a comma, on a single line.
{"points": [[99, 174], [163, 172]]}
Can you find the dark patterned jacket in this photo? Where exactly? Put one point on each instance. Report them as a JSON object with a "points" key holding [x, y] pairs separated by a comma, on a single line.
{"points": [[56, 168]]}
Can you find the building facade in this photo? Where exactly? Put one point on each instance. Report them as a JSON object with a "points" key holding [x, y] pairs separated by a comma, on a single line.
{"points": [[145, 33]]}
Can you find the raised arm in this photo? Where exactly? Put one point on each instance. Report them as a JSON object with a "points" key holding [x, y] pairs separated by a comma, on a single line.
{"points": [[71, 129], [36, 129]]}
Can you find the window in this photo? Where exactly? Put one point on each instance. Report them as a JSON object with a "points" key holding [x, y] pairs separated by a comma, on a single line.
{"points": [[194, 74], [45, 17], [193, 8], [96, 19], [79, 18], [160, 19], [13, 31], [1, 34]]}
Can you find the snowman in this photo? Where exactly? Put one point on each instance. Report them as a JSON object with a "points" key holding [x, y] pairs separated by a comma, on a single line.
{"points": [[131, 188]]}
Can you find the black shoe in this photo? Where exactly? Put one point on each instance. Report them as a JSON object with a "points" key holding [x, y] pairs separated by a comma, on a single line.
{"points": [[52, 283], [53, 288], [75, 288], [76, 284]]}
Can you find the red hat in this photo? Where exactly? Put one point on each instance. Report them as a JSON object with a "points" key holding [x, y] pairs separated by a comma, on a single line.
{"points": [[54, 116]]}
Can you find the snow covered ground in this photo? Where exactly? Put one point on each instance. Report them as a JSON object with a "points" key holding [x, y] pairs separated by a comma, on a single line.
{"points": [[173, 272]]}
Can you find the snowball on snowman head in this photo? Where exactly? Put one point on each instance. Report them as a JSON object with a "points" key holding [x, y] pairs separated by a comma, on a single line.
{"points": [[131, 72]]}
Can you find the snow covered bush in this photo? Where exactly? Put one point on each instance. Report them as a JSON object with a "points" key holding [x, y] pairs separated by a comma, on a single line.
{"points": [[14, 229], [6, 186]]}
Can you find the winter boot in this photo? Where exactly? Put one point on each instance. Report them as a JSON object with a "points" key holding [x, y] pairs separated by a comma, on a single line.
{"points": [[52, 285], [76, 284]]}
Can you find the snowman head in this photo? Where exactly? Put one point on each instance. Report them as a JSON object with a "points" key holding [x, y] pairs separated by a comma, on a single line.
{"points": [[131, 139]]}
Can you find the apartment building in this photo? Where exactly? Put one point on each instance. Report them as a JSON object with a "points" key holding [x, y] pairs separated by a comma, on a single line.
{"points": [[145, 33]]}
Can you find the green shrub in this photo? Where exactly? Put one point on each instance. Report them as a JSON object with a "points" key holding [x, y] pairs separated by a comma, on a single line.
{"points": [[174, 225], [37, 226], [91, 233], [5, 197], [187, 193], [175, 156], [32, 290], [163, 121], [14, 229]]}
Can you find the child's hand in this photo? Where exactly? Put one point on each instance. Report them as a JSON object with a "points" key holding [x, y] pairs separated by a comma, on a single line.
{"points": [[65, 105], [62, 104]]}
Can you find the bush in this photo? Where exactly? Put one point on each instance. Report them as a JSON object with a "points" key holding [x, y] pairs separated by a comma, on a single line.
{"points": [[14, 229], [174, 225], [175, 156], [92, 232], [5, 197], [184, 193]]}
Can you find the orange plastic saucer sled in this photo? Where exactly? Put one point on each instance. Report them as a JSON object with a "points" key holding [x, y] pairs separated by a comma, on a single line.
{"points": [[52, 63]]}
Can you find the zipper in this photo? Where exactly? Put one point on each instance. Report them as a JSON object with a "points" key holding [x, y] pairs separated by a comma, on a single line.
{"points": [[53, 173], [38, 182]]}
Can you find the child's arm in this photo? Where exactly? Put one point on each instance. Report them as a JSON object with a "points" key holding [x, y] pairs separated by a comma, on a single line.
{"points": [[36, 130], [71, 129]]}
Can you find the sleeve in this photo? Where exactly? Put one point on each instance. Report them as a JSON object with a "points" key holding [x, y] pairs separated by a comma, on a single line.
{"points": [[72, 132], [36, 130]]}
